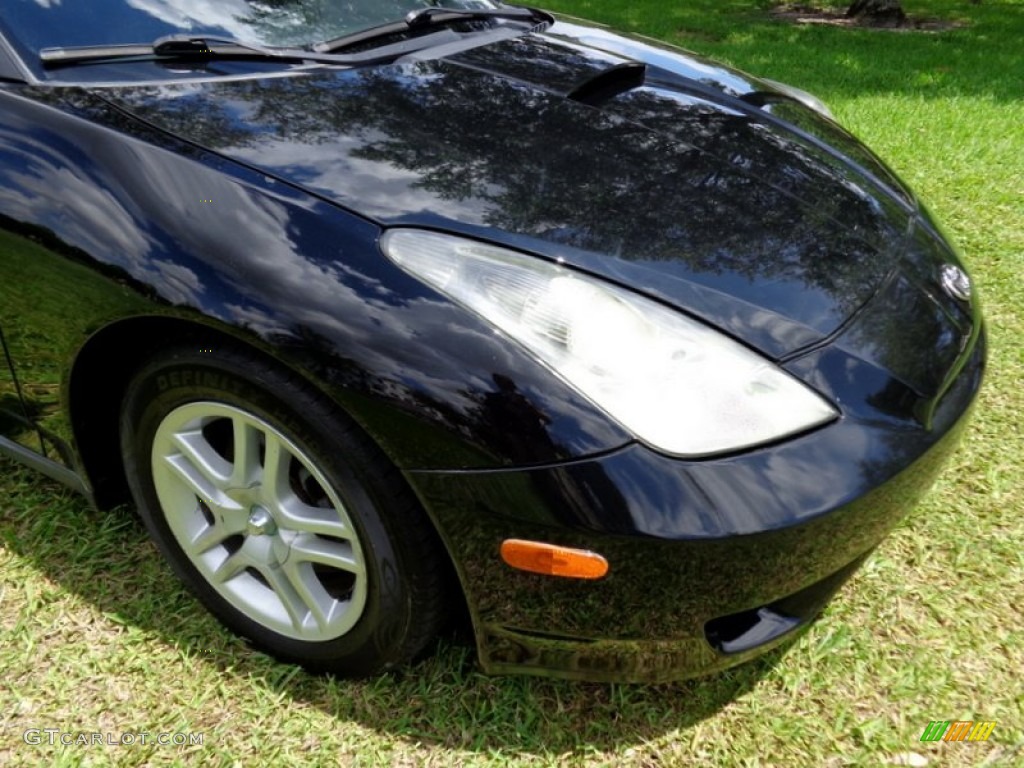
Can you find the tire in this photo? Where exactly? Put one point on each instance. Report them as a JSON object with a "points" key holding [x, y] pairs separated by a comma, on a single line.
{"points": [[281, 516]]}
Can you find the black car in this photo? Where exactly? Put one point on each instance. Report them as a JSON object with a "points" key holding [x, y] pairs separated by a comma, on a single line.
{"points": [[383, 313]]}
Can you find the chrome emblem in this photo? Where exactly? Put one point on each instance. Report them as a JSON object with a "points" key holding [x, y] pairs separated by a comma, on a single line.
{"points": [[955, 282]]}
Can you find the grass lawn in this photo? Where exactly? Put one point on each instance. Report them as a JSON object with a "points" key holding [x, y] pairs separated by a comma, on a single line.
{"points": [[96, 635]]}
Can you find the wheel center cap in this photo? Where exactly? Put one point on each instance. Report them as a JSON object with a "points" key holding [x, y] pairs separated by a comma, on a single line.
{"points": [[261, 523]]}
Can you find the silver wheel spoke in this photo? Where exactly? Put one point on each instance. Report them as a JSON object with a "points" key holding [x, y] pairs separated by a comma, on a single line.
{"points": [[232, 565], [302, 517], [275, 468], [193, 467], [246, 454], [294, 603], [218, 533], [313, 549], [313, 595]]}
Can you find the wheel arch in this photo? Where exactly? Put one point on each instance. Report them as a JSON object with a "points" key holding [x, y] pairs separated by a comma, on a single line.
{"points": [[98, 382]]}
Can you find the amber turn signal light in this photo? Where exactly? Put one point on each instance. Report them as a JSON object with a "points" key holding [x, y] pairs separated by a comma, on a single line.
{"points": [[549, 560]]}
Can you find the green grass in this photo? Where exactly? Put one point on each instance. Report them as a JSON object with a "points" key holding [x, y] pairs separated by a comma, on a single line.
{"points": [[95, 635]]}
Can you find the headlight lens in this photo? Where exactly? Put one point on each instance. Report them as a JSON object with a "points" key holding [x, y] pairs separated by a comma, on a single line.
{"points": [[675, 383]]}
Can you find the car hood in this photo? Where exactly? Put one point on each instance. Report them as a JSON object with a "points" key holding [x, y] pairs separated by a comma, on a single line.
{"points": [[687, 181]]}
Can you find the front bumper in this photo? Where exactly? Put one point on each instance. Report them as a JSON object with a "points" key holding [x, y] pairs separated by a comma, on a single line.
{"points": [[712, 562]]}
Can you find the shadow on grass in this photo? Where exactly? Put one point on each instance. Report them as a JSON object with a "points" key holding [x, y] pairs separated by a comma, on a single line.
{"points": [[106, 559]]}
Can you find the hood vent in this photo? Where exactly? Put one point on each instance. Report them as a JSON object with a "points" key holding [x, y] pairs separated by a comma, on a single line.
{"points": [[610, 83]]}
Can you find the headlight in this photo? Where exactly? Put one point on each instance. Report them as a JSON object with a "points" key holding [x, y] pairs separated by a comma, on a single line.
{"points": [[675, 383]]}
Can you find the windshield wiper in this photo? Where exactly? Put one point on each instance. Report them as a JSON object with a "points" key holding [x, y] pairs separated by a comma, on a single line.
{"points": [[210, 47], [172, 45], [434, 16]]}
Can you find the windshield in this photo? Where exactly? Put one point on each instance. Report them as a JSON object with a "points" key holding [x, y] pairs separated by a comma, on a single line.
{"points": [[32, 25]]}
